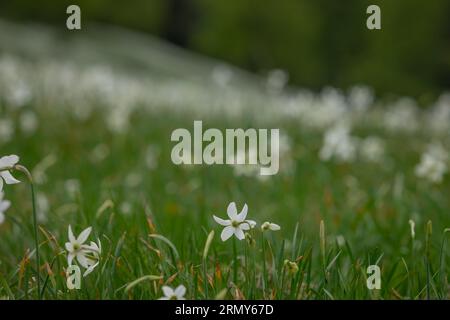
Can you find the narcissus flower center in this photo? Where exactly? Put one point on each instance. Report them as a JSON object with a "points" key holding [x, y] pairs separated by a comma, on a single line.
{"points": [[76, 247], [235, 223]]}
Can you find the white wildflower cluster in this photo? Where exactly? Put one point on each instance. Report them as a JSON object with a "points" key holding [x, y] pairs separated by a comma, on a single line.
{"points": [[81, 90], [98, 86], [372, 149], [402, 116], [339, 144]]}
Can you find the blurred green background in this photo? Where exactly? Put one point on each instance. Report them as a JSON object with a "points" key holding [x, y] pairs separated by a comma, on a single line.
{"points": [[318, 42]]}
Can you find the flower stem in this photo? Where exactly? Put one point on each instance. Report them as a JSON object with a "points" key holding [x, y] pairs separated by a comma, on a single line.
{"points": [[263, 264], [235, 269], [36, 240]]}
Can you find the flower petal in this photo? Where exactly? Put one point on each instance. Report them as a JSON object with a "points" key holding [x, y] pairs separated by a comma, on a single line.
{"points": [[69, 246], [221, 221], [180, 291], [8, 161], [70, 257], [274, 227], [168, 291], [93, 247], [71, 237], [84, 235], [227, 232], [4, 205], [232, 211], [9, 179], [241, 216], [83, 260], [251, 223], [245, 226], [239, 233], [90, 269]]}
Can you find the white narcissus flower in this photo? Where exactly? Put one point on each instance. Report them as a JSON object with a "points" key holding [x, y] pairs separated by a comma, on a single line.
{"points": [[88, 256], [270, 226], [170, 294], [4, 205], [6, 163], [237, 223], [76, 247]]}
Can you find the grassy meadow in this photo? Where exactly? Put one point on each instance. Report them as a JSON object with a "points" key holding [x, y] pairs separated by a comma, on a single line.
{"points": [[94, 131]]}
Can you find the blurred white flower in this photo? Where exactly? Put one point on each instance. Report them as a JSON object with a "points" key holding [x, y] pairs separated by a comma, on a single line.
{"points": [[118, 119], [151, 156], [4, 205], [19, 94], [170, 294], [412, 225], [42, 207], [433, 164], [133, 179], [360, 98], [277, 80], [270, 226], [6, 130], [439, 115], [322, 111], [72, 187], [99, 153], [6, 163], [237, 223], [126, 208], [28, 122], [372, 149], [338, 144], [402, 116]]}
